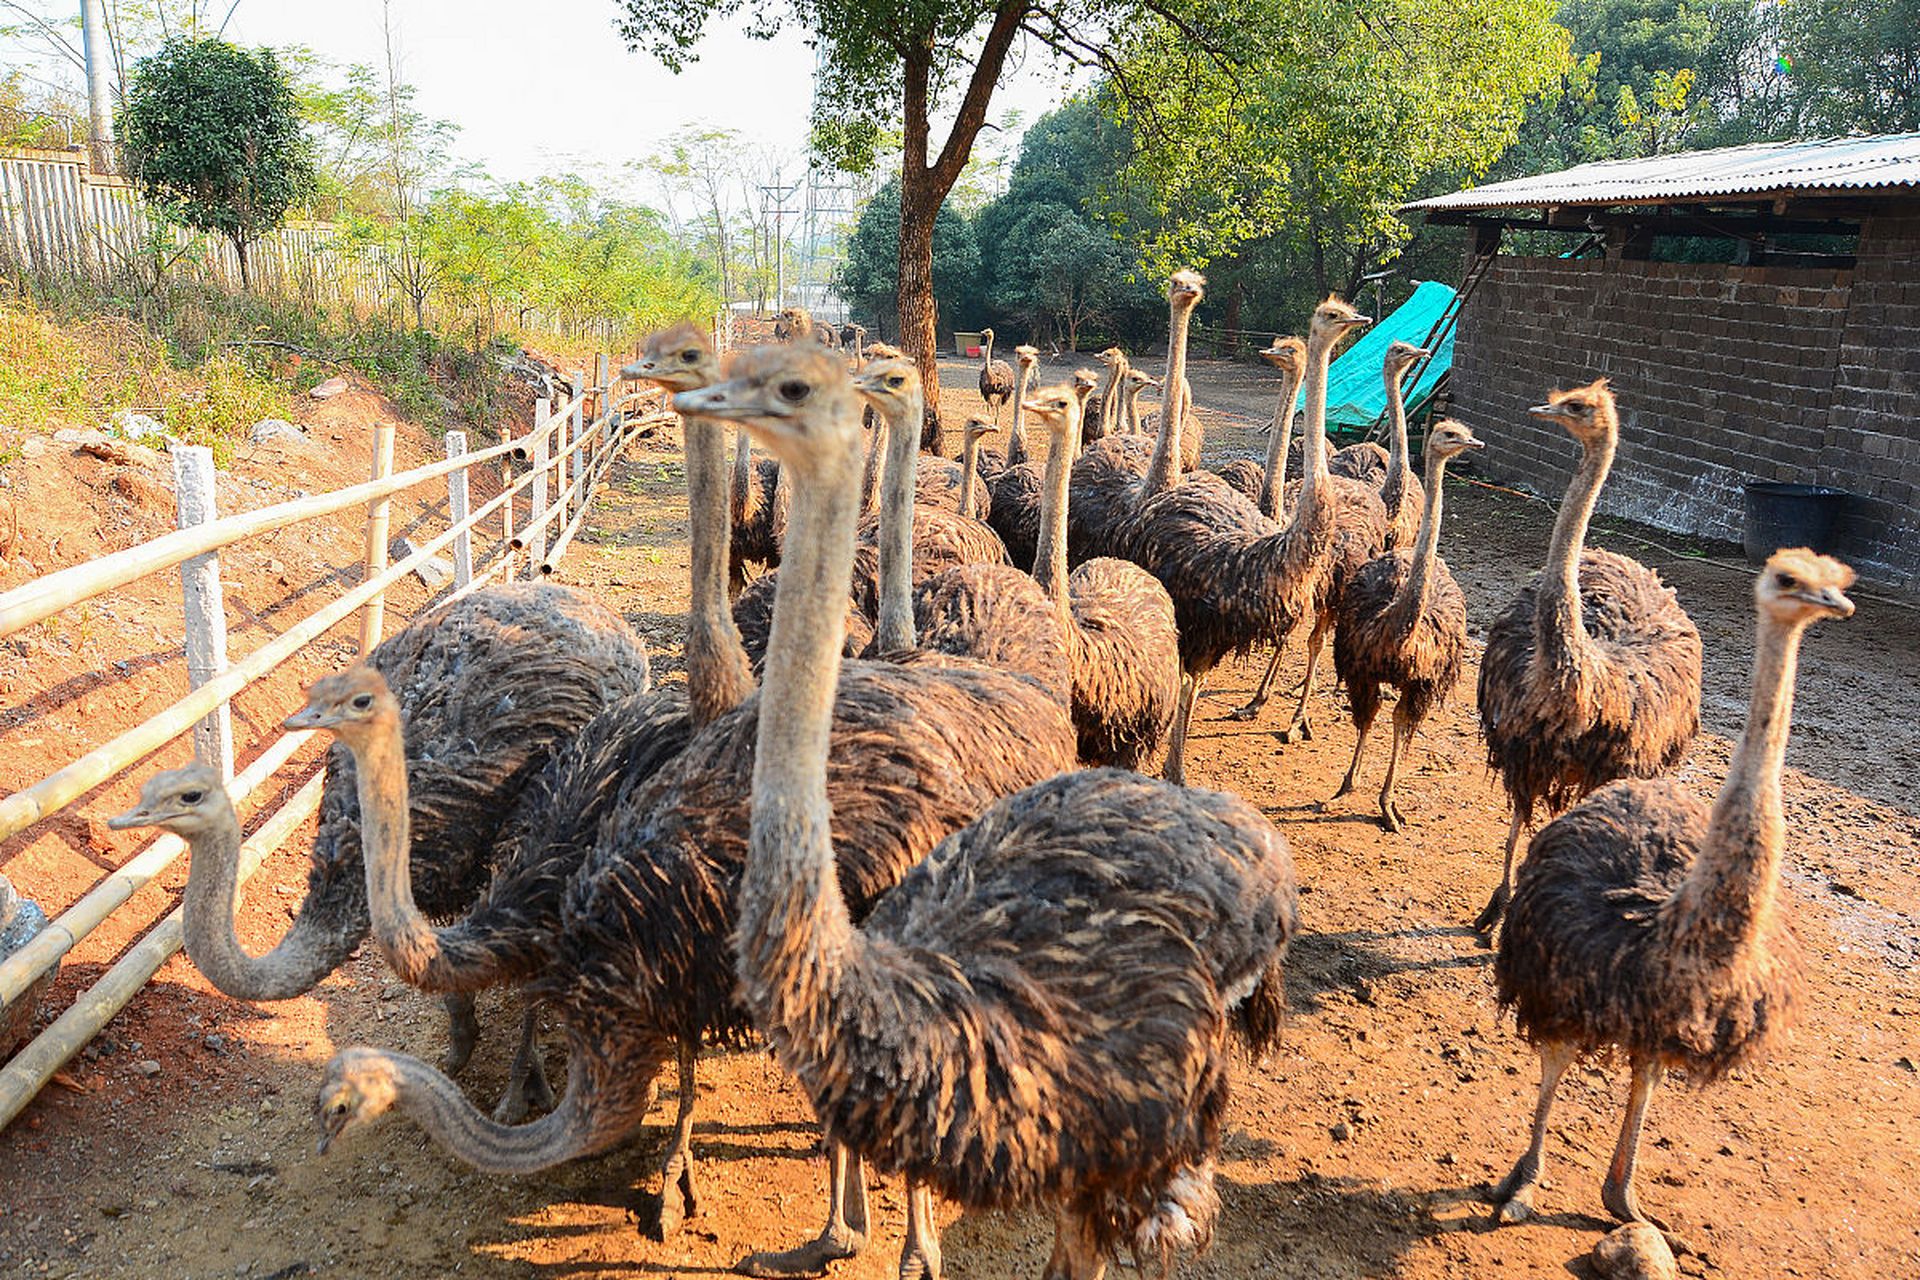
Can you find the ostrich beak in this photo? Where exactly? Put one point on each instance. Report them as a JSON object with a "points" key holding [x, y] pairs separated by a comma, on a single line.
{"points": [[1832, 598], [138, 816], [737, 399], [1544, 411], [311, 716], [1357, 322], [639, 370], [1476, 443]]}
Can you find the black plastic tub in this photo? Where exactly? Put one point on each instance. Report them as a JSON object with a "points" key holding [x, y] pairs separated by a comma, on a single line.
{"points": [[1790, 515]]}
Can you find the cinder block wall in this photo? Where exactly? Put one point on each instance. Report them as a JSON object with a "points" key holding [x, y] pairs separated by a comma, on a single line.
{"points": [[1723, 375]]}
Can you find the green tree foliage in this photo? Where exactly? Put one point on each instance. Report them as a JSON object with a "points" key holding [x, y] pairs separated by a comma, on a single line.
{"points": [[869, 276], [213, 133]]}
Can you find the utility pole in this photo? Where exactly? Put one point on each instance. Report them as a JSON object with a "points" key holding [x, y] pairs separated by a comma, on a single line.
{"points": [[779, 194], [93, 35]]}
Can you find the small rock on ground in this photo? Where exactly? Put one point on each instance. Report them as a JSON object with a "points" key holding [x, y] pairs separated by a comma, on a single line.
{"points": [[1636, 1251], [330, 388]]}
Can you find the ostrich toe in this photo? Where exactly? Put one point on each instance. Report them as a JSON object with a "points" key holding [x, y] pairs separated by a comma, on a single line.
{"points": [[678, 1199], [1490, 914], [1514, 1196], [463, 1032], [1390, 816], [1623, 1202], [1249, 711], [1301, 730], [810, 1259]]}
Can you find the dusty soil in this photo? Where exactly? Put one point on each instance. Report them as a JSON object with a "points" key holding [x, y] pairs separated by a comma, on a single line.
{"points": [[1362, 1148]]}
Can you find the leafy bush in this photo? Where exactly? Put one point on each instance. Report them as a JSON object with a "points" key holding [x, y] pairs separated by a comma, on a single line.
{"points": [[219, 413]]}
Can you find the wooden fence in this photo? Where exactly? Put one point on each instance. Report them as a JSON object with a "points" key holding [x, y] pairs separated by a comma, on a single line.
{"points": [[570, 447], [59, 220]]}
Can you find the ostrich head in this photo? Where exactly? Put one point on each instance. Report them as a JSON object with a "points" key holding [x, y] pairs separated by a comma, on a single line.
{"points": [[795, 324], [884, 351], [1450, 438], [800, 404], [1140, 381], [1111, 356], [187, 802], [980, 427], [1027, 357], [1586, 412], [1289, 355], [348, 702], [1054, 408], [888, 384], [1799, 587], [1336, 317], [679, 359], [1400, 358], [1084, 381], [1186, 289], [987, 335], [358, 1085]]}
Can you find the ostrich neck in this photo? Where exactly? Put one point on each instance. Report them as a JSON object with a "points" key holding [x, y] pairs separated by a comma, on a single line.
{"points": [[986, 361], [1050, 556], [1410, 602], [1395, 483], [740, 494], [407, 939], [1729, 891], [1279, 439], [1559, 631], [1166, 446], [870, 472], [1017, 433], [1133, 410], [1316, 480], [567, 1132], [1108, 393], [312, 948], [893, 630], [969, 464], [795, 934], [719, 675]]}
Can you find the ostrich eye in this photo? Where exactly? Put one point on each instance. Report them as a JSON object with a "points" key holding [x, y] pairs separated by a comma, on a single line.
{"points": [[1784, 581], [897, 380], [690, 355], [794, 390], [363, 702], [192, 797]]}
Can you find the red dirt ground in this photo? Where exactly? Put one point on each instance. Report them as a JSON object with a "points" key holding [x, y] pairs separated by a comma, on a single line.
{"points": [[1360, 1149]]}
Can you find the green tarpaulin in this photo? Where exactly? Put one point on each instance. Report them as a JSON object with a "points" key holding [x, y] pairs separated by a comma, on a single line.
{"points": [[1356, 396]]}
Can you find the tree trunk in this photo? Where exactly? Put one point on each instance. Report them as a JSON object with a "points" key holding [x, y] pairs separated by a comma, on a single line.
{"points": [[246, 276], [919, 205]]}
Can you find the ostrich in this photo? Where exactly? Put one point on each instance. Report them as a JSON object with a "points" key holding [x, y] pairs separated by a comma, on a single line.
{"points": [[946, 485], [853, 338], [1102, 417], [996, 378], [493, 684], [1260, 484], [1231, 570], [1403, 622], [796, 324], [1015, 510], [1647, 923], [1400, 489], [1113, 478], [638, 961], [976, 1035], [1137, 381], [1593, 673], [1120, 631]]}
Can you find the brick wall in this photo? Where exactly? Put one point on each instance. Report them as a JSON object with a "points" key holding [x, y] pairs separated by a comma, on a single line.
{"points": [[1723, 374]]}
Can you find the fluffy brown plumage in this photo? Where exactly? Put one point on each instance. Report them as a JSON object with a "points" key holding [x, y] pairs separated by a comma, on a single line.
{"points": [[1365, 461], [1593, 673], [983, 1033], [640, 959], [1403, 622], [1647, 923], [759, 508]]}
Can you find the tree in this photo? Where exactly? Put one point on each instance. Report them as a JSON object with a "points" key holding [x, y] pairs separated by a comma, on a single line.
{"points": [[213, 133], [869, 277], [906, 60]]}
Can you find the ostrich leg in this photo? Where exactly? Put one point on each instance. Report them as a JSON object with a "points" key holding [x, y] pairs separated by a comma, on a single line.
{"points": [[1617, 1191], [920, 1256], [1514, 1195], [1302, 726], [1497, 905], [845, 1233], [463, 1031], [1176, 767], [527, 1085], [678, 1201], [1251, 711], [1366, 705], [1403, 727], [1074, 1256]]}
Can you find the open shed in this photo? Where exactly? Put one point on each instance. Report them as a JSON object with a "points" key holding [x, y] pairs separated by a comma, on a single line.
{"points": [[1757, 309]]}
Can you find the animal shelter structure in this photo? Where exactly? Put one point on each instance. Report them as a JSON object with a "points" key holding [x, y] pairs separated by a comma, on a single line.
{"points": [[1757, 309]]}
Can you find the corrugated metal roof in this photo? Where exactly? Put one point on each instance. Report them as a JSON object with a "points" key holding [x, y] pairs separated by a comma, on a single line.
{"points": [[1757, 170]]}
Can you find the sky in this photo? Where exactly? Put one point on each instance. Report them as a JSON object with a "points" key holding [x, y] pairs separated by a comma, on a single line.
{"points": [[541, 88]]}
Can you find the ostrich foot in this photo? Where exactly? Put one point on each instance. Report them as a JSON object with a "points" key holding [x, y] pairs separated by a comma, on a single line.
{"points": [[809, 1259], [1300, 730], [918, 1263], [463, 1032], [1514, 1196], [678, 1199], [1251, 711], [1490, 914], [1390, 816], [1623, 1202]]}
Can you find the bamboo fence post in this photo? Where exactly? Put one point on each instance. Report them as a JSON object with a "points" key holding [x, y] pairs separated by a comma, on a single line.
{"points": [[577, 421], [379, 511], [205, 604], [457, 511], [535, 535]]}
